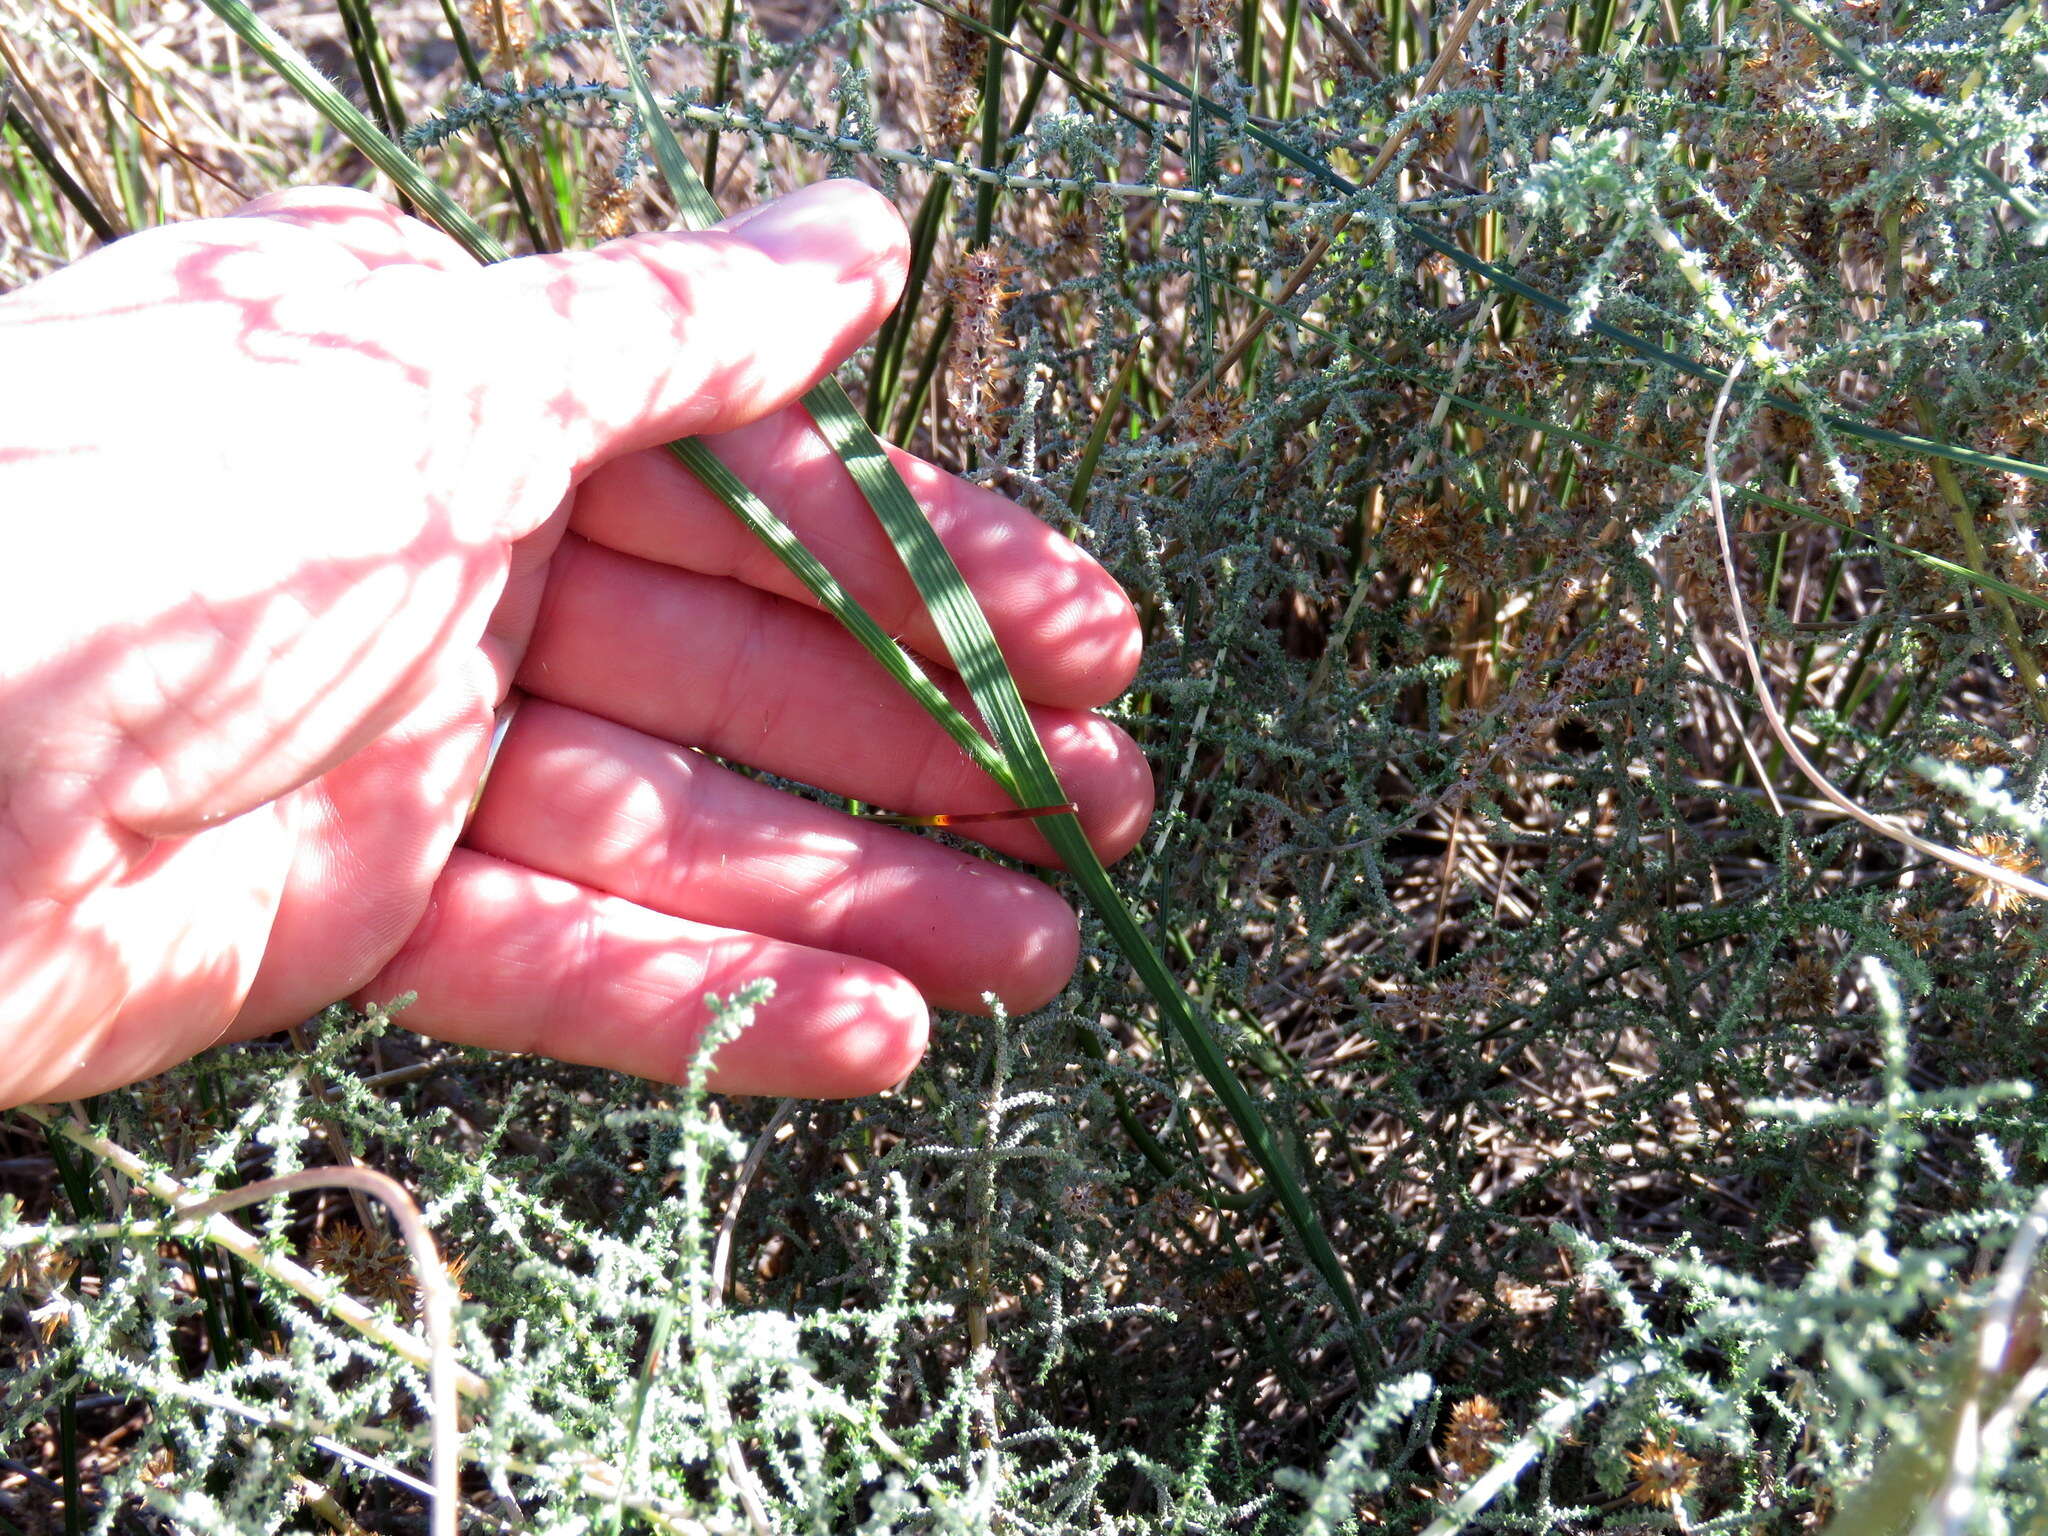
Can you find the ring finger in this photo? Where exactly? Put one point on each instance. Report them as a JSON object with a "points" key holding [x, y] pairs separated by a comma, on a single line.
{"points": [[666, 828]]}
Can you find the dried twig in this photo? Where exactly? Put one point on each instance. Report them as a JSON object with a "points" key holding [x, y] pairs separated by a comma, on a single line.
{"points": [[446, 1377], [1955, 858], [721, 1251]]}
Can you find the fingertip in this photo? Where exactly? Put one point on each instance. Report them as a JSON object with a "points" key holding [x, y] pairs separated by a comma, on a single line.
{"points": [[512, 959], [1124, 647], [1068, 628], [1108, 776], [999, 932], [843, 223], [1092, 633], [364, 225], [1116, 817], [351, 200], [839, 1030], [691, 333], [1045, 954]]}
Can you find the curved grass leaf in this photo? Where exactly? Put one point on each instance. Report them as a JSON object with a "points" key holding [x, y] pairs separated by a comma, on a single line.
{"points": [[1030, 779]]}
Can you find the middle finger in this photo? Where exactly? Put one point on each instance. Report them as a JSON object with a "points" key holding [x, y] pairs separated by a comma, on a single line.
{"points": [[761, 680]]}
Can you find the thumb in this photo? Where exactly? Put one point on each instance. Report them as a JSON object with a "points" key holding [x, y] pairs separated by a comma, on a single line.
{"points": [[678, 335]]}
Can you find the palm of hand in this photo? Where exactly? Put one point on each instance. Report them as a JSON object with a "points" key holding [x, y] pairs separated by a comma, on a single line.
{"points": [[342, 493]]}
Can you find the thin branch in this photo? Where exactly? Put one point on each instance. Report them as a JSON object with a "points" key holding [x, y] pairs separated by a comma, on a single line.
{"points": [[446, 1377], [1298, 278], [1955, 858]]}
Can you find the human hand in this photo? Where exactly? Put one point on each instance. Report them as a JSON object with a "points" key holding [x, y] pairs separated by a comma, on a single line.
{"points": [[294, 498]]}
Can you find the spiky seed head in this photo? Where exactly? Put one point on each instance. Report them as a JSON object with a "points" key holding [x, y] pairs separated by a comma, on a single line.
{"points": [[368, 1263], [607, 201], [1663, 1473], [1806, 987], [1204, 19], [2007, 852], [1213, 417], [1470, 1441]]}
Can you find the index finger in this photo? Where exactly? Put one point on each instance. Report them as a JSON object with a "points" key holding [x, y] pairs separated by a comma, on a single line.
{"points": [[1066, 628]]}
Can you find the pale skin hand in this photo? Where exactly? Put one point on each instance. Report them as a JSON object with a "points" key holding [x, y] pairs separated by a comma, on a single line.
{"points": [[292, 499]]}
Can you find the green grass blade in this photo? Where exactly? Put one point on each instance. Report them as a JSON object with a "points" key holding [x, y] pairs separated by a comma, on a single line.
{"points": [[1028, 775], [68, 187], [892, 341], [1067, 839], [806, 567], [693, 199], [721, 82], [377, 147], [435, 203], [1021, 768], [473, 71], [1098, 435], [979, 660], [373, 65]]}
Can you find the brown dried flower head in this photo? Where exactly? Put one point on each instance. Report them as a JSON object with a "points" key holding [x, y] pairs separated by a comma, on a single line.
{"points": [[1663, 1473], [1918, 927], [955, 84], [979, 291], [1522, 1300], [1082, 1199], [1414, 534], [607, 201], [1213, 417], [1204, 19], [1976, 750], [2007, 852], [1527, 367], [1073, 236], [505, 27], [1174, 1206], [38, 1270], [1227, 1295], [368, 1263], [977, 288], [1471, 558], [1436, 142], [1784, 70], [1470, 1440], [1806, 987]]}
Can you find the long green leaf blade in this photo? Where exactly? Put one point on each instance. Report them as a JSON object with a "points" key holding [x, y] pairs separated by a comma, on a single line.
{"points": [[428, 196], [377, 146], [1030, 778], [807, 568]]}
